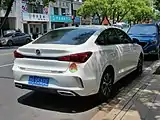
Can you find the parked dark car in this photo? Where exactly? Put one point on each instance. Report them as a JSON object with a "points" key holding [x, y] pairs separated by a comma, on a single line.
{"points": [[148, 36], [17, 38]]}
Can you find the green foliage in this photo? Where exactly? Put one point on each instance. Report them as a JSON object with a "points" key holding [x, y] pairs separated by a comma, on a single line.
{"points": [[157, 4], [118, 10], [4, 4]]}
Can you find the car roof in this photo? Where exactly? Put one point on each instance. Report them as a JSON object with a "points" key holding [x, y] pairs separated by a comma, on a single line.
{"points": [[96, 27], [151, 24]]}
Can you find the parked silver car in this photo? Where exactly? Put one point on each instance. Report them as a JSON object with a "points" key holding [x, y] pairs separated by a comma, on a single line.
{"points": [[17, 38]]}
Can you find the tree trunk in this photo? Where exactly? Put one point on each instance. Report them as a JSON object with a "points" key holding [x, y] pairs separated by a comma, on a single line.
{"points": [[124, 15], [114, 12], [99, 18], [102, 20], [134, 22], [118, 15], [108, 20], [7, 13]]}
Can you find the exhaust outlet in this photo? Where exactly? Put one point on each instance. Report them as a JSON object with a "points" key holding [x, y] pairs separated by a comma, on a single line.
{"points": [[18, 85], [65, 93]]}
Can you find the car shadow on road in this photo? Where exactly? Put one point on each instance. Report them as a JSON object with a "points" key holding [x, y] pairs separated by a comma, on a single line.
{"points": [[71, 104]]}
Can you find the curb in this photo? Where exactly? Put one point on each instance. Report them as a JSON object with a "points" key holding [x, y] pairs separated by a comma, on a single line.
{"points": [[125, 103]]}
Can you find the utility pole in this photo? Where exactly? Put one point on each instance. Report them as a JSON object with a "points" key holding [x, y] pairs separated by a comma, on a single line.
{"points": [[73, 17]]}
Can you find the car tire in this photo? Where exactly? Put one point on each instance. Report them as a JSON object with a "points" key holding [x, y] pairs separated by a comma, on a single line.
{"points": [[139, 69], [106, 85], [10, 43], [28, 41], [157, 56]]}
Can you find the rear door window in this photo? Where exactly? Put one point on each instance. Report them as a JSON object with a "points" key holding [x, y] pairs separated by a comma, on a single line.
{"points": [[8, 35], [75, 36], [18, 34], [111, 37], [124, 38]]}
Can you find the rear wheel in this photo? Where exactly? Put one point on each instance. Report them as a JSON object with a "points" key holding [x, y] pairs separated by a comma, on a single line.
{"points": [[157, 56], [106, 85], [139, 69], [10, 43]]}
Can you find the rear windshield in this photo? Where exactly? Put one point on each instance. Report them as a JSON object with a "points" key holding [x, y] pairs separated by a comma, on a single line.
{"points": [[66, 36], [143, 30], [8, 35]]}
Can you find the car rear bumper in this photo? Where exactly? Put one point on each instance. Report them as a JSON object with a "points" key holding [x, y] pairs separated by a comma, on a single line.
{"points": [[43, 89], [58, 83]]}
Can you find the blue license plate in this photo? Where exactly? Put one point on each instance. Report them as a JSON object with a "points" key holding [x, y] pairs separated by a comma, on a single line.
{"points": [[38, 81]]}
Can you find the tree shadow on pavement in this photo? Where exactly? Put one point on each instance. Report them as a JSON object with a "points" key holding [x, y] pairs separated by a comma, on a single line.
{"points": [[150, 58], [144, 105], [65, 104]]}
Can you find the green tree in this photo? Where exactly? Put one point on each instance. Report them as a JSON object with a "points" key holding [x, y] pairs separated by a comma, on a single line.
{"points": [[117, 10], [156, 4], [141, 11], [93, 8]]}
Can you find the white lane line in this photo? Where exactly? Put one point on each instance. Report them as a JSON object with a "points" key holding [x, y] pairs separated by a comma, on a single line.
{"points": [[6, 65]]}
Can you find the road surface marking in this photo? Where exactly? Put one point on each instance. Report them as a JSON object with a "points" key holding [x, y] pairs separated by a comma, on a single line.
{"points": [[5, 54], [6, 65]]}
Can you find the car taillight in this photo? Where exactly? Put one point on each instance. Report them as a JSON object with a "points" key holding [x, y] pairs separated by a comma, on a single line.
{"points": [[79, 57], [17, 54]]}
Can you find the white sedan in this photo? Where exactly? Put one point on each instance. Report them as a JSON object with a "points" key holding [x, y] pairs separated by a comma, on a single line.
{"points": [[77, 61]]}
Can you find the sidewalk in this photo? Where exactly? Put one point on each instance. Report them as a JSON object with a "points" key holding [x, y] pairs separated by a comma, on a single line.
{"points": [[141, 103], [145, 105]]}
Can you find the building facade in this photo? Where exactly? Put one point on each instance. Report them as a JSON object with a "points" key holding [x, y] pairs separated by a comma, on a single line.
{"points": [[31, 18]]}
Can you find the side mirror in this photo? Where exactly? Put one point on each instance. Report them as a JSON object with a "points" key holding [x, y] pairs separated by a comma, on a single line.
{"points": [[135, 40]]}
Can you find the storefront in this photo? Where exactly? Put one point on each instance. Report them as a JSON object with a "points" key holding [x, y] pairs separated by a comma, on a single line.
{"points": [[32, 21], [35, 23], [77, 20], [86, 21], [58, 21]]}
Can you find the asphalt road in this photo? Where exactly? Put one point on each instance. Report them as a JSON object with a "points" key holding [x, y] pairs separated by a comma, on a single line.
{"points": [[17, 104]]}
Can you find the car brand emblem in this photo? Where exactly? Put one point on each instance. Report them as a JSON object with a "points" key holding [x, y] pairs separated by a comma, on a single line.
{"points": [[38, 52]]}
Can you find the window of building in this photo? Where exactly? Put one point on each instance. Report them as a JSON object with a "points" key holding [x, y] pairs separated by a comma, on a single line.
{"points": [[74, 12], [63, 10], [56, 11], [37, 30], [31, 30], [35, 9]]}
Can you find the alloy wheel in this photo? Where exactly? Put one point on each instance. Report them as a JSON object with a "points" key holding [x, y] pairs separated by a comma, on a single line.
{"points": [[106, 87], [10, 43]]}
